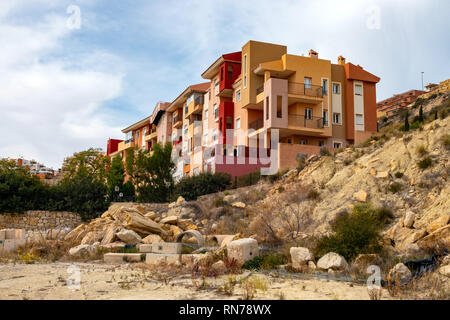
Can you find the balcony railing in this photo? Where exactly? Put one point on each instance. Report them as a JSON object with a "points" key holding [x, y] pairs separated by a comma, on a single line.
{"points": [[199, 100], [257, 124], [303, 89], [129, 140], [259, 90], [176, 119], [299, 120]]}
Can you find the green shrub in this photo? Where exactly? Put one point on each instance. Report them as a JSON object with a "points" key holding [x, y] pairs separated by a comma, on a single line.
{"points": [[399, 175], [265, 262], [205, 183], [324, 151], [354, 233], [395, 187], [219, 202], [248, 179], [425, 163], [415, 125], [421, 150], [384, 215], [446, 141], [313, 194], [274, 177]]}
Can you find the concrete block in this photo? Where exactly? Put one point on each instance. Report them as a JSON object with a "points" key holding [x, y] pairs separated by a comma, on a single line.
{"points": [[155, 259], [2, 235], [10, 234], [167, 248], [145, 248], [121, 257], [20, 234], [9, 245], [243, 250]]}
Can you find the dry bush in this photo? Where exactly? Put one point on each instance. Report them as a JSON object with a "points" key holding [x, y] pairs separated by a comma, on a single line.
{"points": [[431, 286], [283, 218]]}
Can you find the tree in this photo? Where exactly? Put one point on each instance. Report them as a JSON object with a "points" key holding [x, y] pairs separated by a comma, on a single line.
{"points": [[153, 174], [406, 121], [421, 114], [90, 162]]}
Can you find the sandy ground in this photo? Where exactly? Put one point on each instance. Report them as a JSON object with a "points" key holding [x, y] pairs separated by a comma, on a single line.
{"points": [[103, 281]]}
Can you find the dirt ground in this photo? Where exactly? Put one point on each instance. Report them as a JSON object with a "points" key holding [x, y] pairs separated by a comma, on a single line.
{"points": [[129, 282]]}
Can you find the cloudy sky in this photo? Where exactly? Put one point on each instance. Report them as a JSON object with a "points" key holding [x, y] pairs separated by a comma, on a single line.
{"points": [[67, 84]]}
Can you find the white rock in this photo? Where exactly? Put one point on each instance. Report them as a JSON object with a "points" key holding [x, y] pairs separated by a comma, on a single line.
{"points": [[332, 261], [408, 221], [311, 265], [300, 256], [219, 266], [361, 195], [153, 238], [129, 236], [239, 205], [82, 249], [243, 250], [169, 220]]}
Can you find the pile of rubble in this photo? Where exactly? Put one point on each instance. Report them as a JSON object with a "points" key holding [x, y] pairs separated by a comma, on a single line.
{"points": [[130, 224]]}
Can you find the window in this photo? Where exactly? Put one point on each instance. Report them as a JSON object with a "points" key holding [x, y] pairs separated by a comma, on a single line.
{"points": [[245, 82], [324, 86], [205, 138], [325, 117], [229, 122], [337, 118], [307, 83], [230, 72], [145, 132], [216, 82], [244, 66], [337, 145], [206, 114], [321, 143], [221, 74], [138, 134], [216, 112], [303, 141], [289, 140], [238, 123], [185, 129], [279, 106], [358, 89], [336, 88], [308, 113], [359, 119], [267, 108], [238, 95], [196, 171], [214, 137]]}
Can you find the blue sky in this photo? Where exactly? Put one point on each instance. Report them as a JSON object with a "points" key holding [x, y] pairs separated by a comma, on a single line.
{"points": [[63, 90]]}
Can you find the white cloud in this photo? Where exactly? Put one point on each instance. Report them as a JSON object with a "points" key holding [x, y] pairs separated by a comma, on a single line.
{"points": [[50, 107]]}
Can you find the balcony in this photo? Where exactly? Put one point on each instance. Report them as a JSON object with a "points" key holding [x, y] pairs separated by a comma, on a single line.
{"points": [[177, 121], [124, 145], [257, 124], [305, 92], [151, 135], [295, 120], [195, 107]]}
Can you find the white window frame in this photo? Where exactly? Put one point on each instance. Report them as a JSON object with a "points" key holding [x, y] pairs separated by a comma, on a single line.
{"points": [[340, 118], [238, 95], [336, 85], [308, 113], [237, 121], [309, 84], [357, 85], [337, 143], [303, 142], [359, 116], [206, 114], [327, 116]]}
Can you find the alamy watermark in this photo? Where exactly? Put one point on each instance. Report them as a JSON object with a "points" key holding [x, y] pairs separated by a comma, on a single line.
{"points": [[74, 280], [74, 19]]}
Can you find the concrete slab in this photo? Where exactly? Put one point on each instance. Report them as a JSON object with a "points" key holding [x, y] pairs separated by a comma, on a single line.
{"points": [[121, 257], [10, 234], [158, 259], [2, 235], [145, 248], [243, 250], [167, 248]]}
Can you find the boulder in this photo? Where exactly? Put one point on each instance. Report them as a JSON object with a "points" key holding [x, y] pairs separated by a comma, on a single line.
{"points": [[77, 234], [398, 272], [129, 236], [230, 198], [312, 265], [110, 234], [185, 223], [243, 250], [219, 266], [169, 220], [361, 196], [439, 237], [180, 201], [82, 250], [408, 220], [132, 219], [175, 231], [240, 205], [363, 261], [438, 223], [153, 238], [300, 257], [151, 215], [383, 174], [332, 261]]}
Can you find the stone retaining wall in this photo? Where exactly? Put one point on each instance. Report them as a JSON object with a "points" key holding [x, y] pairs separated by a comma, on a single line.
{"points": [[40, 220]]}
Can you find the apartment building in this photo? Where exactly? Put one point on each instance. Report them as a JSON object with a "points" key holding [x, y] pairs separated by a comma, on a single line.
{"points": [[145, 133], [312, 102], [260, 108], [397, 103]]}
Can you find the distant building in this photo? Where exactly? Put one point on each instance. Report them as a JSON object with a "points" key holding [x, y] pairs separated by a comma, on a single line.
{"points": [[37, 169], [397, 103]]}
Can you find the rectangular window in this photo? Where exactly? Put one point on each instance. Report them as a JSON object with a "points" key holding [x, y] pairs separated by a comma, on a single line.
{"points": [[303, 141], [238, 95], [337, 118], [205, 138], [307, 83], [229, 122], [321, 143], [358, 89], [206, 114], [221, 74], [214, 137], [359, 119], [336, 88], [267, 108], [230, 72], [337, 145], [238, 123], [308, 113], [325, 86], [279, 106], [325, 118], [245, 82], [216, 112]]}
